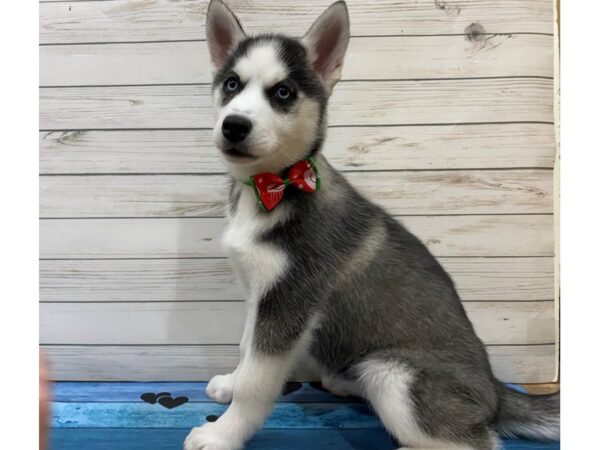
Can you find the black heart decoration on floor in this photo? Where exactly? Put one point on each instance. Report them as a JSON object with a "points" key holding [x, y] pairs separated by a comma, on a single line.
{"points": [[164, 399], [170, 403], [150, 397]]}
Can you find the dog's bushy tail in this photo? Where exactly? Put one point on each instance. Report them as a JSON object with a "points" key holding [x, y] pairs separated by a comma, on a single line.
{"points": [[527, 416]]}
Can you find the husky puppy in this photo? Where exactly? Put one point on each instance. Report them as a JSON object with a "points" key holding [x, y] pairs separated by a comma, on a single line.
{"points": [[332, 279]]}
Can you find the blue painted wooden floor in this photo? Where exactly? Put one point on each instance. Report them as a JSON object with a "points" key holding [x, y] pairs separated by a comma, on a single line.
{"points": [[113, 416]]}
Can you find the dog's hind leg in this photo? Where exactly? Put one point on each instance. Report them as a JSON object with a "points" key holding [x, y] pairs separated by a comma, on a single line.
{"points": [[389, 386]]}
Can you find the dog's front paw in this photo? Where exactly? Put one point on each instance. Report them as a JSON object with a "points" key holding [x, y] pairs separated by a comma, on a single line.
{"points": [[208, 437], [220, 388]]}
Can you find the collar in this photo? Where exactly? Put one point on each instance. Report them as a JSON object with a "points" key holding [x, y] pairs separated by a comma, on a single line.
{"points": [[269, 187]]}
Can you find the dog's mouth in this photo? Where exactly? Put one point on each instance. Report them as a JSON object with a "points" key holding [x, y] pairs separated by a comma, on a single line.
{"points": [[235, 153]]}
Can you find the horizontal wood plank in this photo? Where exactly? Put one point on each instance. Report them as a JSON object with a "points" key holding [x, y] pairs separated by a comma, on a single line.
{"points": [[143, 415], [407, 57], [142, 323], [265, 439], [356, 103], [502, 279], [138, 280], [195, 391], [477, 279], [124, 20], [513, 363], [542, 388], [219, 323], [431, 192], [509, 235], [488, 146]]}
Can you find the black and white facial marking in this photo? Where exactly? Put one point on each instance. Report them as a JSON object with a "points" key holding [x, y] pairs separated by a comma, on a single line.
{"points": [[271, 91]]}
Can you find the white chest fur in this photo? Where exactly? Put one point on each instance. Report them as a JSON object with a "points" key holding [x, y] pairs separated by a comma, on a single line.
{"points": [[258, 264]]}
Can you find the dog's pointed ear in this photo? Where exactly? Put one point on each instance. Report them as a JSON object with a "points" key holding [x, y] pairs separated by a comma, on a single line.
{"points": [[223, 32], [327, 41]]}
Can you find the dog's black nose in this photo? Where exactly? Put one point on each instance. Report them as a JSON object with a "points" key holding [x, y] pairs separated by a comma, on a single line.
{"points": [[236, 128]]}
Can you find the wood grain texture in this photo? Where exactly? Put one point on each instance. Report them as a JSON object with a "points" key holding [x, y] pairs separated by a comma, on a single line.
{"points": [[352, 103], [289, 439], [265, 439], [124, 20], [143, 415], [131, 209], [142, 323], [195, 391], [220, 323], [406, 57], [138, 280], [542, 388], [488, 146], [510, 235], [477, 279], [400, 193], [513, 363]]}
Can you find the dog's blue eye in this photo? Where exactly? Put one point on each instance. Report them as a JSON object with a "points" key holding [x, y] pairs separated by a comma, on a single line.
{"points": [[232, 84], [283, 93]]}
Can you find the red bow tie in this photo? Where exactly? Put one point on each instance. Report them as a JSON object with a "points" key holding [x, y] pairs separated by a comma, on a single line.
{"points": [[269, 187]]}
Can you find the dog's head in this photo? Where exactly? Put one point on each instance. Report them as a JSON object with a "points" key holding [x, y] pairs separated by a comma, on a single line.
{"points": [[271, 91]]}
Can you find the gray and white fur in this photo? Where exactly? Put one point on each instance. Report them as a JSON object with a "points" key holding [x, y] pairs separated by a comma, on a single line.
{"points": [[333, 281]]}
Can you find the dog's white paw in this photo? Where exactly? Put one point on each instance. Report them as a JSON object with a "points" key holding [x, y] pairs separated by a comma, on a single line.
{"points": [[220, 388], [208, 437]]}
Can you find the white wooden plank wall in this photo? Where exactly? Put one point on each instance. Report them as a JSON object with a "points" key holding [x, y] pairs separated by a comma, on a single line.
{"points": [[444, 116]]}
